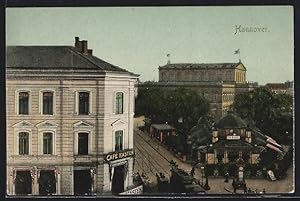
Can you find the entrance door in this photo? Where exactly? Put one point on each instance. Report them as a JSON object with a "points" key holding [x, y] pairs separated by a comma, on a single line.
{"points": [[47, 182], [23, 183], [118, 180], [82, 182]]}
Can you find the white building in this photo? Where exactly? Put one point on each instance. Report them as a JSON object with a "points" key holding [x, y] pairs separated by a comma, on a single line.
{"points": [[69, 122]]}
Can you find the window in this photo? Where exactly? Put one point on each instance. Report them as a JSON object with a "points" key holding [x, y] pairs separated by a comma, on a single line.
{"points": [[47, 102], [23, 102], [83, 143], [47, 143], [163, 76], [119, 103], [179, 76], [118, 140], [84, 103], [23, 143]]}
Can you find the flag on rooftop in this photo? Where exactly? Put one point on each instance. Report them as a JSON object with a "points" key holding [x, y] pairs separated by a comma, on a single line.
{"points": [[237, 51]]}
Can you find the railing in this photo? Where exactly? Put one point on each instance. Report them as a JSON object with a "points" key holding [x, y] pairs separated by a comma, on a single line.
{"points": [[135, 191]]}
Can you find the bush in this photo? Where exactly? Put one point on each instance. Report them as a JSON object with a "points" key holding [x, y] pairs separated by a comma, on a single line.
{"points": [[222, 168], [209, 169]]}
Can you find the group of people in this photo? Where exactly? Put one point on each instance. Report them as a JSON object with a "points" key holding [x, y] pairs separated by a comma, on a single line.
{"points": [[250, 191]]}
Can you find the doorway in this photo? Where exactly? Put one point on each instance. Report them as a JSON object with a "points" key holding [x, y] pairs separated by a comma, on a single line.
{"points": [[82, 182], [47, 182], [118, 180], [23, 183]]}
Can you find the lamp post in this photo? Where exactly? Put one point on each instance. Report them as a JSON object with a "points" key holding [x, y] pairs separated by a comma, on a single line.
{"points": [[202, 175], [205, 186]]}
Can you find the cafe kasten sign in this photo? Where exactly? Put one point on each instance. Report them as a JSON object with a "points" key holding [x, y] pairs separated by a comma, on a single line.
{"points": [[118, 155]]}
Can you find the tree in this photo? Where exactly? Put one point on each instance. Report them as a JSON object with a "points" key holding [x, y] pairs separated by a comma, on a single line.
{"points": [[179, 107], [271, 113]]}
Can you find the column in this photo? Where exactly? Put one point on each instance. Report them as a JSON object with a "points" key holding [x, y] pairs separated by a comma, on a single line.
{"points": [[225, 156]]}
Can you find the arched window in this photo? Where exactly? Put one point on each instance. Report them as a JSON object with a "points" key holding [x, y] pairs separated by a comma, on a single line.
{"points": [[47, 102], [83, 100], [23, 143], [119, 140], [119, 103], [83, 143], [23, 103], [47, 143]]}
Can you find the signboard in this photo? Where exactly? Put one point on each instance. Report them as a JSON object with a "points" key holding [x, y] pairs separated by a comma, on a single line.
{"points": [[210, 158], [118, 155], [134, 191], [233, 137]]}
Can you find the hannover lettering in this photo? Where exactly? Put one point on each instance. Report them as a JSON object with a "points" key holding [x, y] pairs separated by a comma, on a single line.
{"points": [[241, 29]]}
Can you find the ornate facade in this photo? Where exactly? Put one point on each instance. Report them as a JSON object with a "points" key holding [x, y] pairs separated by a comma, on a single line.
{"points": [[67, 112], [218, 82], [212, 72]]}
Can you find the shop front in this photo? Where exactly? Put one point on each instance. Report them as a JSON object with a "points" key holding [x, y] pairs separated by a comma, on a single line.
{"points": [[83, 178], [23, 182], [119, 173], [34, 181]]}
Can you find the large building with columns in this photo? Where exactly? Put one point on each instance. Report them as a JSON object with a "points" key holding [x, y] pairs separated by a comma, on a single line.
{"points": [[219, 83], [212, 72], [69, 122]]}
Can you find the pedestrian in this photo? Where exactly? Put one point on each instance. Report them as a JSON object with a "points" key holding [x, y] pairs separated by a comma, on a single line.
{"points": [[226, 177], [193, 172], [264, 191], [172, 162]]}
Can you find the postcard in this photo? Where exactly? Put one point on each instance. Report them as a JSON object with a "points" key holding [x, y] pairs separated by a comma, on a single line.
{"points": [[150, 101]]}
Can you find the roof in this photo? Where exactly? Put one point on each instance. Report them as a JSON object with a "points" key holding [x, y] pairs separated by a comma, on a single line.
{"points": [[162, 126], [56, 57], [203, 65], [230, 120]]}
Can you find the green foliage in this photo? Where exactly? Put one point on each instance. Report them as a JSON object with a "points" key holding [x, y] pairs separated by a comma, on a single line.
{"points": [[209, 169], [272, 113], [201, 132], [180, 107]]}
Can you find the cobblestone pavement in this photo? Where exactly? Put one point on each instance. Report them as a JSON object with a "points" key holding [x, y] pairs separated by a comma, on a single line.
{"points": [[152, 158]]}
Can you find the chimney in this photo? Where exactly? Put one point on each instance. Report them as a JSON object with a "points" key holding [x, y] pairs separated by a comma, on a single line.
{"points": [[84, 47], [90, 51], [77, 42]]}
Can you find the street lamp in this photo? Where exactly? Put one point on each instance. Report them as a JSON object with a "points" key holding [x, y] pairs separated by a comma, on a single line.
{"points": [[202, 175], [206, 186]]}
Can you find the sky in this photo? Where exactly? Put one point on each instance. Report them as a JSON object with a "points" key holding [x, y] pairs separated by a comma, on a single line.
{"points": [[139, 38]]}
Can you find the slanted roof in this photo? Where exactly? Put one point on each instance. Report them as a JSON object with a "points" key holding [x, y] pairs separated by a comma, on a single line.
{"points": [[162, 126], [205, 65], [56, 57], [230, 120]]}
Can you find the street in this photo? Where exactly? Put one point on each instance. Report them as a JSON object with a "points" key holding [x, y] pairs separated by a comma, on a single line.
{"points": [[152, 158]]}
